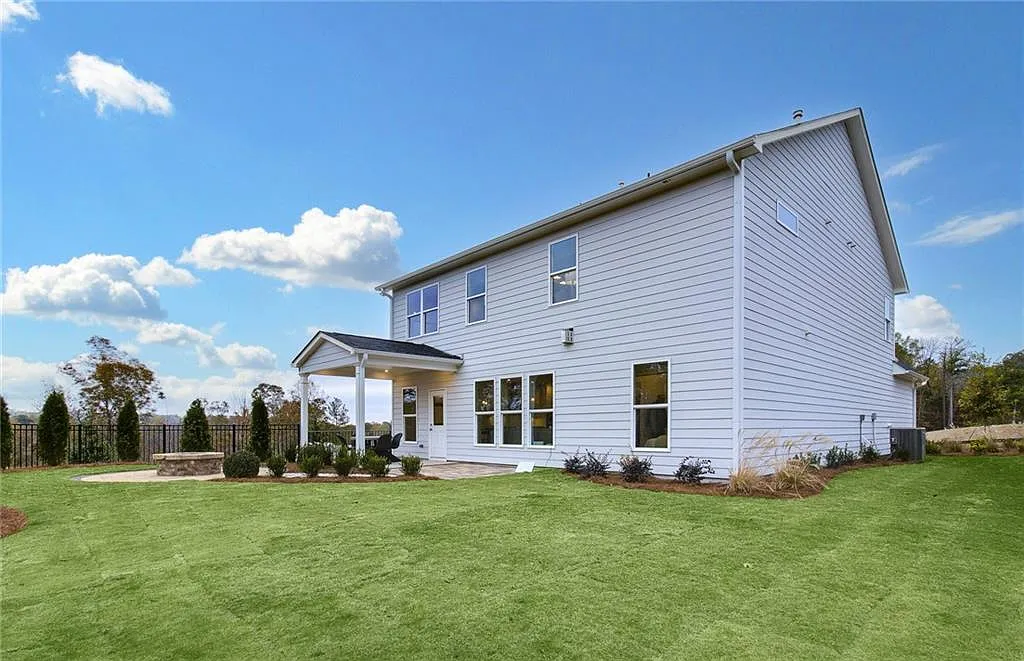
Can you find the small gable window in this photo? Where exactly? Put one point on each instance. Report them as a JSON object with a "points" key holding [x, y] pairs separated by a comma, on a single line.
{"points": [[787, 217]]}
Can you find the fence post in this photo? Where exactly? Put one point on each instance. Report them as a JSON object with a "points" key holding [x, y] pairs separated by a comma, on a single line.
{"points": [[233, 439], [163, 436]]}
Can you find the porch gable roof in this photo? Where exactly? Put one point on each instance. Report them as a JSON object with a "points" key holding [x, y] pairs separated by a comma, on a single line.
{"points": [[379, 351]]}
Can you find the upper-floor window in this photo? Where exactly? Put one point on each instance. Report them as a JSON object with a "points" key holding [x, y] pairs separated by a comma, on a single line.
{"points": [[786, 217], [476, 295], [421, 308], [562, 270], [888, 318]]}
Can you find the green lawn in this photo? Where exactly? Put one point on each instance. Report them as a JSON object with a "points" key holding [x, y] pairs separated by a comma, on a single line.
{"points": [[916, 561]]}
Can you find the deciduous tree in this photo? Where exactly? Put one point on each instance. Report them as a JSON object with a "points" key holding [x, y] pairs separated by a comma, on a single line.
{"points": [[106, 377]]}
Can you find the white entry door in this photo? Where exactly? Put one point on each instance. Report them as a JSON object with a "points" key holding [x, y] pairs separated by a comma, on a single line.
{"points": [[438, 417]]}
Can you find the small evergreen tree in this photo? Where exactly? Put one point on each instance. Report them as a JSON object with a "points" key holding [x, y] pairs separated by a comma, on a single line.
{"points": [[54, 427], [195, 430], [6, 436], [128, 432], [259, 431]]}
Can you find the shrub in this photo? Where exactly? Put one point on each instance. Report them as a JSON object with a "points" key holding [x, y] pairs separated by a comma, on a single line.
{"points": [[6, 436], [128, 432], [277, 465], [89, 448], [932, 447], [594, 465], [411, 464], [363, 459], [242, 464], [195, 429], [635, 469], [291, 453], [54, 426], [573, 464], [319, 449], [978, 445], [1011, 444], [868, 453], [797, 475], [837, 456], [900, 453], [344, 463], [744, 480], [311, 463], [809, 458], [692, 470], [259, 430], [952, 447], [376, 465]]}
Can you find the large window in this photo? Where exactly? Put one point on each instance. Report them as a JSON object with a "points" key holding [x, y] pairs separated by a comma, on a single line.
{"points": [[421, 308], [476, 295], [542, 410], [562, 270], [786, 217], [409, 414], [512, 411], [483, 396], [650, 405]]}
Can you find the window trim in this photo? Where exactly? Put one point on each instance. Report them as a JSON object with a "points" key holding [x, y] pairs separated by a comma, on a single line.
{"points": [[575, 267], [667, 405], [422, 314], [500, 420], [493, 412], [487, 284], [414, 415], [528, 422], [779, 204]]}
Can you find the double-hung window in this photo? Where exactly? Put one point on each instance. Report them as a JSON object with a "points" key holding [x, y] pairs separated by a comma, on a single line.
{"points": [[650, 405], [511, 410], [409, 414], [421, 309], [787, 217], [562, 282], [542, 410], [476, 295], [483, 398]]}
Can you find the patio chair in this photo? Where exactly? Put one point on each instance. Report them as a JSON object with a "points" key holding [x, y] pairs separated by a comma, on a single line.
{"points": [[384, 446]]}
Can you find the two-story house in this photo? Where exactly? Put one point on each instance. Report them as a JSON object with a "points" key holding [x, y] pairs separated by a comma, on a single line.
{"points": [[748, 291]]}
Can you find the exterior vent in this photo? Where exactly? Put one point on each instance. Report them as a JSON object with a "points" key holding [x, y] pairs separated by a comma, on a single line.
{"points": [[567, 336]]}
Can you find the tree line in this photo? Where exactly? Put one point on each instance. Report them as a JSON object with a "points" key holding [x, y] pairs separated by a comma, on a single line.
{"points": [[964, 388]]}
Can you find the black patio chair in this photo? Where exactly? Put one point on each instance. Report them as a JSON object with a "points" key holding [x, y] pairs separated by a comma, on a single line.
{"points": [[384, 445]]}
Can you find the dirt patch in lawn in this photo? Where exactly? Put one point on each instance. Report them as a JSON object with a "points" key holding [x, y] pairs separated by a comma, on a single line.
{"points": [[764, 490], [11, 520], [327, 479]]}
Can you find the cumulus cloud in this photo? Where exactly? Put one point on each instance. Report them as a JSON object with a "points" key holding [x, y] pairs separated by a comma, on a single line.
{"points": [[113, 85], [924, 317], [354, 248], [912, 161], [91, 288], [12, 11], [236, 355], [965, 230], [24, 382]]}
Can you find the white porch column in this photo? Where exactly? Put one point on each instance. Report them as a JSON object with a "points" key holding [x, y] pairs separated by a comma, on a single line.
{"points": [[361, 403], [303, 409]]}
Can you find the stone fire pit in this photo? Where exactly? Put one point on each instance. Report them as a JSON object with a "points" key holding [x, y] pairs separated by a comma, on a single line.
{"points": [[189, 463]]}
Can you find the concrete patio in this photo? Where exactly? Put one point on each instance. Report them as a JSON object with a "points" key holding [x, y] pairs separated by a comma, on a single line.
{"points": [[445, 470]]}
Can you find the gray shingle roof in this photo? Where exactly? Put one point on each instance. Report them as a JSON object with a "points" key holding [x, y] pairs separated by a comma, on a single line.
{"points": [[367, 343]]}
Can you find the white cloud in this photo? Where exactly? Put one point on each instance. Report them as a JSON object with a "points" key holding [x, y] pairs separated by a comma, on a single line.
{"points": [[355, 249], [924, 317], [965, 230], [246, 356], [90, 289], [236, 355], [161, 273], [901, 207], [24, 382], [957, 286], [171, 334], [13, 10], [912, 161], [114, 86]]}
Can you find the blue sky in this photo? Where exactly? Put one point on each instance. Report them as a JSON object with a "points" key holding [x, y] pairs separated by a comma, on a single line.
{"points": [[452, 124]]}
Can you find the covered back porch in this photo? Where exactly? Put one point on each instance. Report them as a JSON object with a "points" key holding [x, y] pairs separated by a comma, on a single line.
{"points": [[362, 357]]}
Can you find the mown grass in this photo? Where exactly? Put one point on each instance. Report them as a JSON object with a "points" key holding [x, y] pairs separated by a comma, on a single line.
{"points": [[913, 561]]}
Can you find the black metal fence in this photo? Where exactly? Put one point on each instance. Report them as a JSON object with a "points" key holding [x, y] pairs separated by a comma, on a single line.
{"points": [[88, 443]]}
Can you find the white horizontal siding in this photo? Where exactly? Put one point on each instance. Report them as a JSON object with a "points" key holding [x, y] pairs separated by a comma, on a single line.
{"points": [[815, 355], [655, 281]]}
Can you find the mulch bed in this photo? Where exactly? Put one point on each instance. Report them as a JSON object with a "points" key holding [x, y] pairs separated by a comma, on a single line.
{"points": [[327, 479], [722, 489], [11, 520]]}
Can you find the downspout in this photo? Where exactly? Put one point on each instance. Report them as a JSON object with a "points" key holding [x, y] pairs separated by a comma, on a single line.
{"points": [[738, 286]]}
